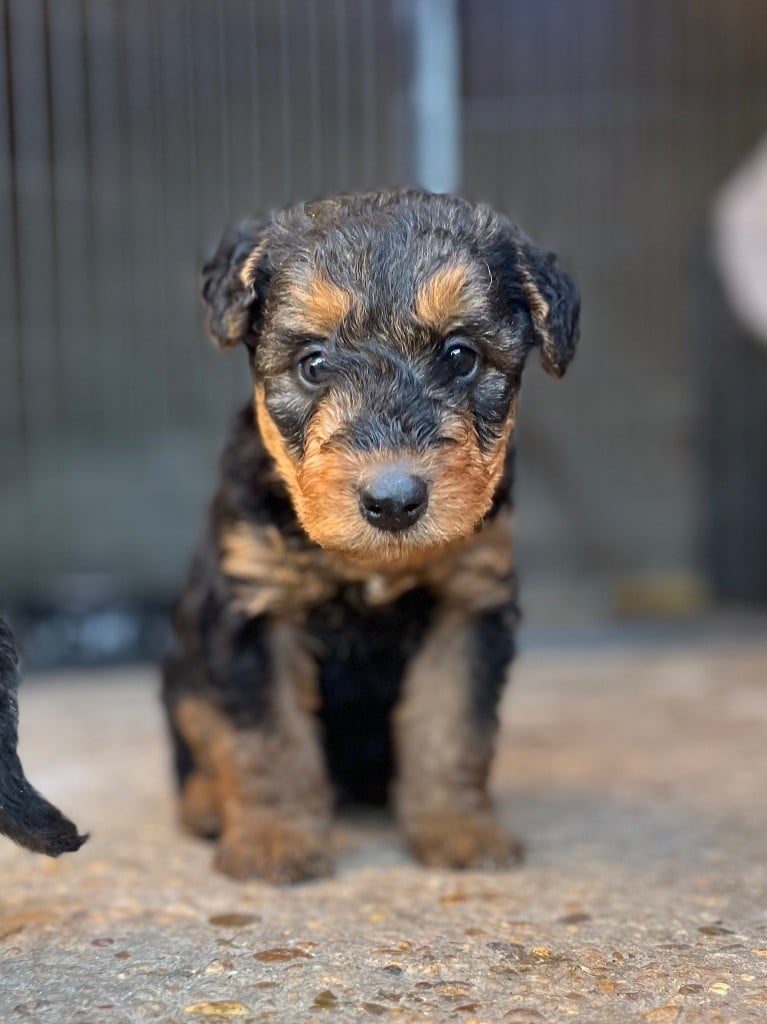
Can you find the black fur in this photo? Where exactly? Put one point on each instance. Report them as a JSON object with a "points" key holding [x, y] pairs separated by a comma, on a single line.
{"points": [[492, 651], [232, 308], [561, 295], [26, 817], [360, 681]]}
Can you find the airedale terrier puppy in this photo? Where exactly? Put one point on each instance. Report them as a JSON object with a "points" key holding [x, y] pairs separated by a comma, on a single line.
{"points": [[348, 620]]}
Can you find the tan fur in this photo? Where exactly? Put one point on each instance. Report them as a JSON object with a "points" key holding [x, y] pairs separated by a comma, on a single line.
{"points": [[199, 806], [313, 304], [539, 307], [250, 266], [326, 304], [269, 577], [452, 840], [448, 298], [274, 442], [441, 797], [271, 791], [235, 322], [325, 489]]}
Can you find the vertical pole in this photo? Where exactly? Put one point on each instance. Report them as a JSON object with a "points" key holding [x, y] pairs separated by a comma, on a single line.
{"points": [[436, 94]]}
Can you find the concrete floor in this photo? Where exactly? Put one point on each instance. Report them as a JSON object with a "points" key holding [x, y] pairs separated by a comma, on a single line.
{"points": [[637, 774]]}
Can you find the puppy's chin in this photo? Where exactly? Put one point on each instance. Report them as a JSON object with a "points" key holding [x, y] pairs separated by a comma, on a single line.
{"points": [[368, 547], [389, 554]]}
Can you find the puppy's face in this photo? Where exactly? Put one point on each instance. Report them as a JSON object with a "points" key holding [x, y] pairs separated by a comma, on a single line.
{"points": [[387, 335]]}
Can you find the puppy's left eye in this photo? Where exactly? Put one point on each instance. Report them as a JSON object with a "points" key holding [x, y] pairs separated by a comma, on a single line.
{"points": [[461, 359]]}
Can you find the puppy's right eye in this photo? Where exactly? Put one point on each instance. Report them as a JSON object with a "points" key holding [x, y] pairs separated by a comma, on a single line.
{"points": [[313, 369]]}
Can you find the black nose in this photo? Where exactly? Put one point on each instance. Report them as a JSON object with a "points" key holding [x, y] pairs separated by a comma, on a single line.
{"points": [[394, 499]]}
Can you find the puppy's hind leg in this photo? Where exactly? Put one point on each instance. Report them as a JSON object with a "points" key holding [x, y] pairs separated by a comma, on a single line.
{"points": [[26, 816]]}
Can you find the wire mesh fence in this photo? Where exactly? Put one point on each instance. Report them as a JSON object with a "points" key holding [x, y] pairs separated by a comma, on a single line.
{"points": [[131, 133]]}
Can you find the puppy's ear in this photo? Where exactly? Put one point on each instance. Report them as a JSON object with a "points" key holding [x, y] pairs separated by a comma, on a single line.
{"points": [[554, 304], [234, 284]]}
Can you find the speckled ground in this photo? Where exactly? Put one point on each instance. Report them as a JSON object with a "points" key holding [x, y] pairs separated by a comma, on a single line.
{"points": [[637, 775]]}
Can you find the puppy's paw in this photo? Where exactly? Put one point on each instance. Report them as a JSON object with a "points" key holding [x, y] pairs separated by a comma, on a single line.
{"points": [[277, 850], [462, 841], [199, 806]]}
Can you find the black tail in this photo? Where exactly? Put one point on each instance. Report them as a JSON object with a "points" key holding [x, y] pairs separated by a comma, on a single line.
{"points": [[26, 817]]}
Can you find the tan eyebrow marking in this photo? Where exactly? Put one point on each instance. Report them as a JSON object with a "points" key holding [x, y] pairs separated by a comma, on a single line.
{"points": [[320, 305], [447, 297]]}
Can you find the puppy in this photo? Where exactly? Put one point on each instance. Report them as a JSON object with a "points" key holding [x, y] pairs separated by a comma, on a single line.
{"points": [[348, 619], [26, 817]]}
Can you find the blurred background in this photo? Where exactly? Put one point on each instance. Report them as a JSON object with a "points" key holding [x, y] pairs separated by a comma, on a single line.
{"points": [[131, 133]]}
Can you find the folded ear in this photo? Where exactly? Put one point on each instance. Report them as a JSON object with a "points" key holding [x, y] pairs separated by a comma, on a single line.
{"points": [[234, 284], [554, 303]]}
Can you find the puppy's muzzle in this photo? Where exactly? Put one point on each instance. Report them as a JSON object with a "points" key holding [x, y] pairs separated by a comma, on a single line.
{"points": [[393, 498]]}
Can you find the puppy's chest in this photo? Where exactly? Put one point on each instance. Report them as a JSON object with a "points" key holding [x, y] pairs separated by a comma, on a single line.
{"points": [[270, 575], [346, 631]]}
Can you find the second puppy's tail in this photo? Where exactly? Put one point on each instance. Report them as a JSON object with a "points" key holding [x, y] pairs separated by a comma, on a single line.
{"points": [[26, 816]]}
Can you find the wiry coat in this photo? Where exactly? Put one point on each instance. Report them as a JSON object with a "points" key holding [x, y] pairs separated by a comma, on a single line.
{"points": [[313, 647]]}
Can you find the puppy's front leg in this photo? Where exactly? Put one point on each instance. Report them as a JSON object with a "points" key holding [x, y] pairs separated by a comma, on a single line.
{"points": [[259, 747], [445, 730]]}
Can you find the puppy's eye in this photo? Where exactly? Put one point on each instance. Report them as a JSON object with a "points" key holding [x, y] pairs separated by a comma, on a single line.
{"points": [[461, 360], [314, 369]]}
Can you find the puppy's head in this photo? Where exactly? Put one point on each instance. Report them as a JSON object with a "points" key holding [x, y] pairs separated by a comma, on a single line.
{"points": [[387, 334]]}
